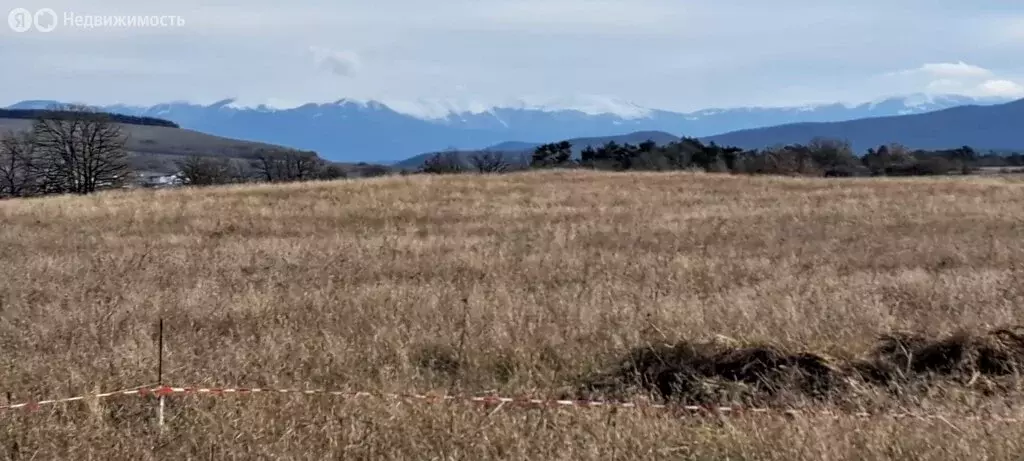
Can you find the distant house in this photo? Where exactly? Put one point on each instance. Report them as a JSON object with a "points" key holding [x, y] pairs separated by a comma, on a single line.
{"points": [[158, 180]]}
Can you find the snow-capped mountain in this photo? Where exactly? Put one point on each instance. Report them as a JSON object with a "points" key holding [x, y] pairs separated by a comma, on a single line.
{"points": [[984, 128], [373, 131]]}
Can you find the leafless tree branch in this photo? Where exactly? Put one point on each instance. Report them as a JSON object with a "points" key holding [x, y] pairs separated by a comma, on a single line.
{"points": [[79, 151]]}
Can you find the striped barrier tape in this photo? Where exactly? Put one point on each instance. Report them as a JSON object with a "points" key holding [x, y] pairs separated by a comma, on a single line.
{"points": [[36, 405], [165, 391]]}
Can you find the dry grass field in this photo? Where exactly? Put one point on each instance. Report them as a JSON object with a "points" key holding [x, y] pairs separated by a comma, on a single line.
{"points": [[525, 284]]}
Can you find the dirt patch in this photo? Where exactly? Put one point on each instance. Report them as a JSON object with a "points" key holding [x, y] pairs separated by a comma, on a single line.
{"points": [[716, 372]]}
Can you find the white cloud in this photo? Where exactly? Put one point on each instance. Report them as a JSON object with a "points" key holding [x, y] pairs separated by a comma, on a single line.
{"points": [[944, 86], [669, 54], [340, 63], [953, 70], [1000, 88], [958, 78]]}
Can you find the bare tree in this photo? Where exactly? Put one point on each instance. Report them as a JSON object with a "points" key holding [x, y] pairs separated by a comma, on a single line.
{"points": [[448, 162], [79, 150], [304, 166], [198, 170], [332, 171], [489, 162], [280, 166], [18, 175], [266, 165]]}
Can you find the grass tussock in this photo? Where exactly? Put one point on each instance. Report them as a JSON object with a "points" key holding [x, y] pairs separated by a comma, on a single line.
{"points": [[715, 373], [517, 285], [903, 356]]}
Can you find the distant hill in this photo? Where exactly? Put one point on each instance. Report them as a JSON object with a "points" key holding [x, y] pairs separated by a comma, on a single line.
{"points": [[995, 127], [512, 146], [157, 147], [32, 114], [578, 144], [372, 131], [519, 153]]}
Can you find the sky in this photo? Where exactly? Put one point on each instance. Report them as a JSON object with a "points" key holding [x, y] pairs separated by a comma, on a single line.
{"points": [[666, 54]]}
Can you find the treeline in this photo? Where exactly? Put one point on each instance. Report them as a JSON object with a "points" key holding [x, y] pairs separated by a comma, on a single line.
{"points": [[268, 165], [453, 162], [819, 157], [35, 114]]}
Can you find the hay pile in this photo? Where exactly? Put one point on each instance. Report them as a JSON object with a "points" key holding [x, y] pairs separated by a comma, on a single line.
{"points": [[902, 357], [715, 372]]}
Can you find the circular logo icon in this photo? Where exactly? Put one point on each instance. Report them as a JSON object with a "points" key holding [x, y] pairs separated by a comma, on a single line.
{"points": [[46, 20], [20, 20]]}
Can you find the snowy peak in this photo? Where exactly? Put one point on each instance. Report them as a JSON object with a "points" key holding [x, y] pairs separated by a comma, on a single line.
{"points": [[587, 104], [979, 125], [438, 109], [358, 104], [449, 110], [453, 109], [351, 129]]}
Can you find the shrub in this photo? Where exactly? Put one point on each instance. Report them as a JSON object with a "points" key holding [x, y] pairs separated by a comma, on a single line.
{"points": [[443, 163]]}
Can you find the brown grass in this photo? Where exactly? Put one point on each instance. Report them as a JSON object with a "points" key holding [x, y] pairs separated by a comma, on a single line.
{"points": [[902, 364], [521, 284]]}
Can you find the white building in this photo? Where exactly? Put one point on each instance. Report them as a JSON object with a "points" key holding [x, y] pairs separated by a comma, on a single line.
{"points": [[150, 179]]}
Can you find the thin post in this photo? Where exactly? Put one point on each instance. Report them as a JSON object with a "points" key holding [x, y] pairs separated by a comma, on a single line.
{"points": [[160, 413], [160, 371], [160, 354]]}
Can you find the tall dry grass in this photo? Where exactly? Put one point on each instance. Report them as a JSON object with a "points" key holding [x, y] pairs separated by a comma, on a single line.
{"points": [[517, 284]]}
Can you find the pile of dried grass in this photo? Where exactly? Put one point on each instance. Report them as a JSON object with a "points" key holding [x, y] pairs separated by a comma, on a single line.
{"points": [[713, 372], [902, 357]]}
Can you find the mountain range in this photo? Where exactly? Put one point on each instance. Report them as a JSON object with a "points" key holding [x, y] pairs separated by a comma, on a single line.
{"points": [[369, 131], [998, 127]]}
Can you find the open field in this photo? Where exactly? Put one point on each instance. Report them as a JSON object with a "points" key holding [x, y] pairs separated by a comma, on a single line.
{"points": [[522, 284]]}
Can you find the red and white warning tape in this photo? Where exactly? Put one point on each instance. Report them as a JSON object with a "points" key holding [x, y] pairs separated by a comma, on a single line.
{"points": [[36, 405], [163, 391]]}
